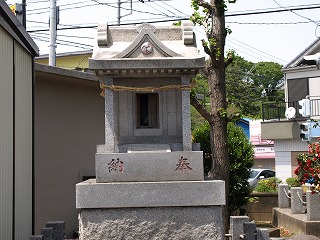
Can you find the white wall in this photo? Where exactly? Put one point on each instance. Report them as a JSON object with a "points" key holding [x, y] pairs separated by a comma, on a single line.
{"points": [[283, 149]]}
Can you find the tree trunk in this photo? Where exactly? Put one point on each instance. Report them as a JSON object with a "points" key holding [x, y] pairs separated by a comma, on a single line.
{"points": [[217, 86]]}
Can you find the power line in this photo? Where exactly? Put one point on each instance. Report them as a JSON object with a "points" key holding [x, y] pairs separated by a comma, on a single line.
{"points": [[291, 10], [272, 10]]}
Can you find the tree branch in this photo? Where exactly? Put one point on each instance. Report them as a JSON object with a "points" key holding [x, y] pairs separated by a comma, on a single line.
{"points": [[229, 61], [201, 109], [205, 4]]}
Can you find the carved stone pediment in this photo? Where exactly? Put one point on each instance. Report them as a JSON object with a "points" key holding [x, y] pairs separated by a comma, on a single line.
{"points": [[145, 48]]}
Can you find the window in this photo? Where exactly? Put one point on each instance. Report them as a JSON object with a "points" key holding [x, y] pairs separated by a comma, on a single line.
{"points": [[147, 110], [297, 89]]}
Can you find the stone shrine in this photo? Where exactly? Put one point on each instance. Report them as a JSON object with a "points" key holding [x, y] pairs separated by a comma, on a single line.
{"points": [[149, 178]]}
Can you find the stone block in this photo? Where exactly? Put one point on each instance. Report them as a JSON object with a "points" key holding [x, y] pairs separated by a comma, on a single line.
{"points": [[58, 229], [90, 194], [249, 229], [187, 223], [296, 200], [47, 233], [313, 206], [149, 166], [283, 196], [236, 226], [263, 234]]}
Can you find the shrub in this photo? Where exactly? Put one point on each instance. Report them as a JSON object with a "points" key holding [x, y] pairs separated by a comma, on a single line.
{"points": [[268, 185], [240, 153], [293, 182]]}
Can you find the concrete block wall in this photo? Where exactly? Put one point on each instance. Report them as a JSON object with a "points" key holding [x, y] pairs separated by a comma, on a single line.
{"points": [[261, 209]]}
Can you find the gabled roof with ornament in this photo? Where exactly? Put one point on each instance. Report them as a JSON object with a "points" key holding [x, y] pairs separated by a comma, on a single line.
{"points": [[146, 49]]}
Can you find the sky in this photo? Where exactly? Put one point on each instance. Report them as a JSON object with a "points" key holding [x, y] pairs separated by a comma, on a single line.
{"points": [[277, 37]]}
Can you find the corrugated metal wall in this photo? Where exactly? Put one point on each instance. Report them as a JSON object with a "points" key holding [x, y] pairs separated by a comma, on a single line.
{"points": [[16, 76], [23, 143], [6, 136]]}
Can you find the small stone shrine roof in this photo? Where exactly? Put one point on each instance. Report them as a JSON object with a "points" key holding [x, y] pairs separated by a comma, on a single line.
{"points": [[146, 50]]}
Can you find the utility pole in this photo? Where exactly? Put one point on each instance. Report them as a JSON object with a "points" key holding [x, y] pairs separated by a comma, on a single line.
{"points": [[24, 14], [53, 33]]}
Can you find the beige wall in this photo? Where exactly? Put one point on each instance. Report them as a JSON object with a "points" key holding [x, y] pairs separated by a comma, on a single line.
{"points": [[69, 123]]}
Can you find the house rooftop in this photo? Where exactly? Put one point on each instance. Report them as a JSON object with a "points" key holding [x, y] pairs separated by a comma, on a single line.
{"points": [[13, 26], [313, 48]]}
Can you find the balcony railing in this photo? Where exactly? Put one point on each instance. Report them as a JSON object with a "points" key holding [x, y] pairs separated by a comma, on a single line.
{"points": [[276, 110]]}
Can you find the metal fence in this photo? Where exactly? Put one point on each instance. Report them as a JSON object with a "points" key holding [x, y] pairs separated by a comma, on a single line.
{"points": [[276, 110]]}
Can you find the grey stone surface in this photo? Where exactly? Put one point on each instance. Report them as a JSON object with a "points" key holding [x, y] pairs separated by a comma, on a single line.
{"points": [[36, 237], [47, 233], [283, 196], [249, 229], [109, 115], [295, 223], [125, 42], [296, 200], [149, 166], [90, 194], [303, 237], [236, 226], [262, 234], [58, 229], [186, 119], [132, 148], [179, 223], [313, 206]]}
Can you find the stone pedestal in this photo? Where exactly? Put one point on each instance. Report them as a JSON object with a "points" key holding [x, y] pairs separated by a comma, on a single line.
{"points": [[151, 210], [152, 223]]}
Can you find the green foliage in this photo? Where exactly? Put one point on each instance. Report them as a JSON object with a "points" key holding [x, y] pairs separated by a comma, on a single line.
{"points": [[293, 182], [241, 161], [251, 84], [202, 135], [179, 23], [268, 185]]}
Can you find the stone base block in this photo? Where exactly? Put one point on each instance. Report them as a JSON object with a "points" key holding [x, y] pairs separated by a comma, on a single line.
{"points": [[90, 194], [295, 223], [148, 166], [152, 223]]}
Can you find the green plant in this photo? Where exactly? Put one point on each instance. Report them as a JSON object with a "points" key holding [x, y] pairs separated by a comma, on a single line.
{"points": [[268, 185], [293, 182], [240, 153]]}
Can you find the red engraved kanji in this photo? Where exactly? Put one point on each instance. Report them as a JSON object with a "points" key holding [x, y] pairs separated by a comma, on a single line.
{"points": [[183, 165]]}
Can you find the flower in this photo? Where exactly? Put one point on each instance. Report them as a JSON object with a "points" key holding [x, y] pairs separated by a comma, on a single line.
{"points": [[308, 169]]}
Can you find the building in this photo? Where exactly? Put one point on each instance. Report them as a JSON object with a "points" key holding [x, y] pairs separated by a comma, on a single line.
{"points": [[282, 121], [16, 127], [69, 123], [72, 60]]}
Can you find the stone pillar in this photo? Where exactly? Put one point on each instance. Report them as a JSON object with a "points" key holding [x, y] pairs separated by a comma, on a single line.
{"points": [[296, 203], [236, 226], [313, 206], [47, 233], [109, 116], [186, 116], [263, 234], [249, 229], [58, 229], [283, 196]]}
